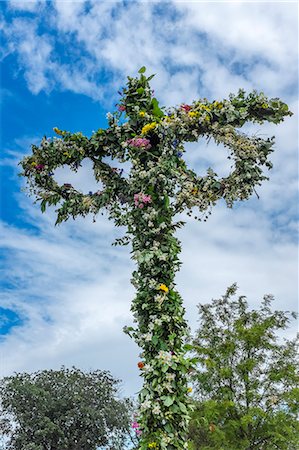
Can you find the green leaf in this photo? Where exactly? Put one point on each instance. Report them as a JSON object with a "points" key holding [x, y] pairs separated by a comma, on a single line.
{"points": [[140, 90], [188, 347], [43, 206], [155, 340], [142, 69], [183, 408], [166, 201], [156, 109], [168, 401], [168, 428]]}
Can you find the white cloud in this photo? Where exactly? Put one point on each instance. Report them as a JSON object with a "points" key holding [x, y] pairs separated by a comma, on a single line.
{"points": [[206, 43], [34, 51], [28, 6]]}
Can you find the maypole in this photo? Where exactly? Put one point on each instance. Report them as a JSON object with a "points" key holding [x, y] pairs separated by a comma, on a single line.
{"points": [[147, 200]]}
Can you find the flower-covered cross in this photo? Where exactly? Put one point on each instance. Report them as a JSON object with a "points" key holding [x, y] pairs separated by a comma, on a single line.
{"points": [[158, 186]]}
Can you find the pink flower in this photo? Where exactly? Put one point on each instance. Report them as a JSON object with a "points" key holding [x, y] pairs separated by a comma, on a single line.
{"points": [[147, 199], [40, 167], [141, 199], [121, 108], [142, 143], [135, 426]]}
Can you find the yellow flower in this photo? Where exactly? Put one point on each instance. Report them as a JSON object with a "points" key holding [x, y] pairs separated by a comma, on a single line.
{"points": [[67, 154], [152, 445], [265, 105], [33, 164], [194, 191], [163, 287], [148, 127], [194, 114], [189, 389], [204, 107], [142, 114], [208, 119], [218, 105], [59, 132]]}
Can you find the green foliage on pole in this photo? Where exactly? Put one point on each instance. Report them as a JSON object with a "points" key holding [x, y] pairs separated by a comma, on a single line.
{"points": [[64, 409], [146, 201], [247, 380]]}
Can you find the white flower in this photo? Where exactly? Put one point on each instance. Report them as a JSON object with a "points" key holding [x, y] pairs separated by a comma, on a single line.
{"points": [[170, 376], [147, 404], [163, 257], [151, 326], [156, 409], [168, 387], [152, 284], [147, 368], [165, 356], [160, 298], [148, 337]]}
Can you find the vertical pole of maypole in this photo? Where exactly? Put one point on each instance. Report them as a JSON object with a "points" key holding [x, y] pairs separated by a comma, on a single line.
{"points": [[157, 308]]}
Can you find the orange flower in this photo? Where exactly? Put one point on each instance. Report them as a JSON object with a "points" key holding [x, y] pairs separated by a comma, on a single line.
{"points": [[140, 365]]}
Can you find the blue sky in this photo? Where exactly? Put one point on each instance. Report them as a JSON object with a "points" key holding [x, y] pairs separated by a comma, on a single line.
{"points": [[65, 291]]}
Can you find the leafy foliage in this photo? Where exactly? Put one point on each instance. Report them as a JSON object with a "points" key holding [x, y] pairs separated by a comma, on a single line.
{"points": [[247, 382], [64, 409], [146, 201]]}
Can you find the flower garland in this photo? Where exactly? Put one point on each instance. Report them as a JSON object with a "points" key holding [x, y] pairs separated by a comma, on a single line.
{"points": [[146, 201]]}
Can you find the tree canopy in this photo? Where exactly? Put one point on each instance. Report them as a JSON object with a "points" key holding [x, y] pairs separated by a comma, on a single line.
{"points": [[63, 409], [247, 380]]}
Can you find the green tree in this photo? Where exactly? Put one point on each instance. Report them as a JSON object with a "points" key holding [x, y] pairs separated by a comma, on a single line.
{"points": [[65, 409], [247, 380], [146, 198]]}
